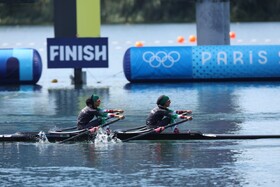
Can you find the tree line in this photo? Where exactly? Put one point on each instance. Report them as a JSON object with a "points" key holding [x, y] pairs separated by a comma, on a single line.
{"points": [[38, 12]]}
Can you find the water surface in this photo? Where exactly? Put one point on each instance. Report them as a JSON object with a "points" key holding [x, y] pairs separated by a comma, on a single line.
{"points": [[218, 107]]}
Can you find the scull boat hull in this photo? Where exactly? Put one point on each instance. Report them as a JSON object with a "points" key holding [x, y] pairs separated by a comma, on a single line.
{"points": [[192, 135]]}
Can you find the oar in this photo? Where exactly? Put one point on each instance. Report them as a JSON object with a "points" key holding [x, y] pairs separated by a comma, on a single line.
{"points": [[87, 131], [154, 130], [66, 129], [137, 128], [75, 127]]}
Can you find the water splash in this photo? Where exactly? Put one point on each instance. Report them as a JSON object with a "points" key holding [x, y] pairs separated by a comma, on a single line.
{"points": [[103, 137], [42, 137]]}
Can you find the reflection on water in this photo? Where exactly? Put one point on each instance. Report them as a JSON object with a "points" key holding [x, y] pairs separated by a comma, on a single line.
{"points": [[138, 164], [20, 88], [71, 101]]}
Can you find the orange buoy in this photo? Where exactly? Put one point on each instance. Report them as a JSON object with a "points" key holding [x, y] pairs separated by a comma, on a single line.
{"points": [[139, 44], [192, 38], [232, 35], [180, 39], [54, 81]]}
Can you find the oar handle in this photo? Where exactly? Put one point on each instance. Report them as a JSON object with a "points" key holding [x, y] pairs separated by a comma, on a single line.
{"points": [[184, 112], [119, 116]]}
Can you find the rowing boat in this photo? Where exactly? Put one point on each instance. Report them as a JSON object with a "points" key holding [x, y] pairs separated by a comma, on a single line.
{"points": [[54, 136], [50, 136]]}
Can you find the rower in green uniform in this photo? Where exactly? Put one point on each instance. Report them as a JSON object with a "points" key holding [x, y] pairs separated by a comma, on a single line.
{"points": [[161, 115], [93, 116]]}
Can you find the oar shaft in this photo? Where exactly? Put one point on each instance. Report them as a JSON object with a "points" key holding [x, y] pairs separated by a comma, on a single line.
{"points": [[139, 135], [69, 128], [73, 137], [153, 130], [66, 129], [174, 124], [87, 131], [110, 122]]}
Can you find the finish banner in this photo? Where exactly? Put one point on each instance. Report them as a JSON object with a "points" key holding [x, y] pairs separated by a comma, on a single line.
{"points": [[77, 52]]}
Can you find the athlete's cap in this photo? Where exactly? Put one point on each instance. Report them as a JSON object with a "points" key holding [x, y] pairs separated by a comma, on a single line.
{"points": [[94, 97], [162, 100]]}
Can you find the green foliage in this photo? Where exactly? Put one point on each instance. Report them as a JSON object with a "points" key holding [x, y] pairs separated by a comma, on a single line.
{"points": [[255, 10], [140, 11], [30, 12], [14, 12]]}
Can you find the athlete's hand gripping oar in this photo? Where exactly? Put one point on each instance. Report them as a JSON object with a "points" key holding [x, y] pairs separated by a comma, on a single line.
{"points": [[92, 130], [157, 130], [183, 112]]}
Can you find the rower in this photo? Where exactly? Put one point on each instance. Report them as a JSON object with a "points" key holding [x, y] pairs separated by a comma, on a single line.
{"points": [[93, 116], [161, 115]]}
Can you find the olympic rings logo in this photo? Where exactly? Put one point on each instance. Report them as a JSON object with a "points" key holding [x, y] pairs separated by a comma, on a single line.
{"points": [[167, 60]]}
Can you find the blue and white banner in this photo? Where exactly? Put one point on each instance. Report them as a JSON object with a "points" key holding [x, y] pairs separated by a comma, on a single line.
{"points": [[77, 52], [222, 62]]}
